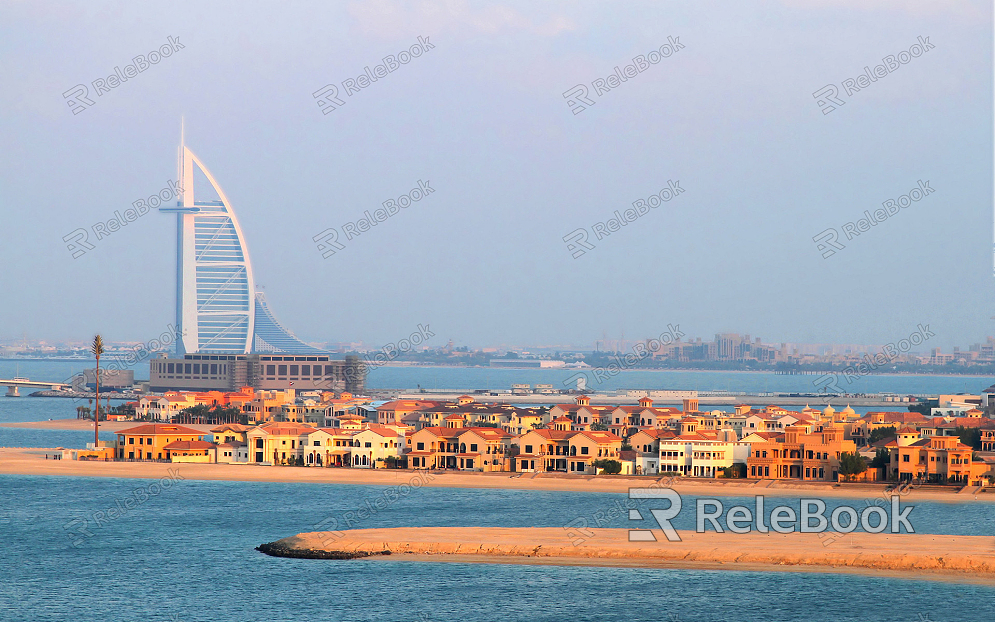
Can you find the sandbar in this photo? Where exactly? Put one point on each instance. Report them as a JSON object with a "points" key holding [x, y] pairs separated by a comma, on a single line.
{"points": [[960, 559]]}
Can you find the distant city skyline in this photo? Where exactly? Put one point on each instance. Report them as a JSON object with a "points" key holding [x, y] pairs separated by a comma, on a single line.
{"points": [[8, 344]]}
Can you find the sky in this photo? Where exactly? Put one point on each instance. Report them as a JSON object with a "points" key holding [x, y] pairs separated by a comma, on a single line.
{"points": [[728, 117]]}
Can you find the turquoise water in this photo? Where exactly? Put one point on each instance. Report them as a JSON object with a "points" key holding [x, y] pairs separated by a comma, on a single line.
{"points": [[469, 379], [186, 554], [20, 409]]}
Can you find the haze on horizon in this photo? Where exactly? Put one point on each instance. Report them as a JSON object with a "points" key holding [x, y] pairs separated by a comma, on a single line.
{"points": [[482, 117]]}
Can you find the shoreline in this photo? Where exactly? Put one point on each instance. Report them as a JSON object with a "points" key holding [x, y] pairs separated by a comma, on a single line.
{"points": [[76, 425], [908, 556], [27, 461]]}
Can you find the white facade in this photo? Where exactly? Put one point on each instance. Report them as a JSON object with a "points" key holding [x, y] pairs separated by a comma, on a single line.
{"points": [[700, 458], [372, 446], [215, 290], [161, 408]]}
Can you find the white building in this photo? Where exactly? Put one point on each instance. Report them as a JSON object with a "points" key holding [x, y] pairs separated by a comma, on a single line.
{"points": [[693, 455], [371, 446]]}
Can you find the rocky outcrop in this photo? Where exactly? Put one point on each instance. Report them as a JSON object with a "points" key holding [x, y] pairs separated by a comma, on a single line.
{"points": [[290, 547]]}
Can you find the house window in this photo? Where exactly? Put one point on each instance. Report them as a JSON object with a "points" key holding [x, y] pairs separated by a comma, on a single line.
{"points": [[368, 444], [583, 451], [473, 447], [148, 442], [317, 443], [421, 446], [528, 449]]}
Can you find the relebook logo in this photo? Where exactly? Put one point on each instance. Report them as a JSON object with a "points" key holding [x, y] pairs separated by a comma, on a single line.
{"points": [[78, 97], [828, 97], [579, 98], [779, 519], [328, 96]]}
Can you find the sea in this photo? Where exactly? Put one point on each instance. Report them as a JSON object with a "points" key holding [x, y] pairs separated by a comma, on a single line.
{"points": [[184, 550], [430, 378]]}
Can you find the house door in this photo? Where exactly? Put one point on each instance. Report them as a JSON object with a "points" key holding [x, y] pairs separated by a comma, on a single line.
{"points": [[259, 456]]}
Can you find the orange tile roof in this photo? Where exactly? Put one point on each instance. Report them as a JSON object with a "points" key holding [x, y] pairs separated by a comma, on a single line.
{"points": [[599, 436], [189, 445], [554, 435], [382, 430], [487, 432], [152, 429], [407, 404], [234, 427], [287, 429]]}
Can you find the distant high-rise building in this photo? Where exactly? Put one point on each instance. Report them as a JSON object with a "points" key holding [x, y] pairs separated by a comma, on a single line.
{"points": [[229, 337], [217, 308]]}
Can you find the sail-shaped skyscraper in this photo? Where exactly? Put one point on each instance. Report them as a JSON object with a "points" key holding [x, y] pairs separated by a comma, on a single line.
{"points": [[228, 336], [217, 307]]}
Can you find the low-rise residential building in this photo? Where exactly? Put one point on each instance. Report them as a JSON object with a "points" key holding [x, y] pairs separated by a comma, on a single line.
{"points": [[643, 416], [701, 454], [936, 459], [230, 433], [394, 412], [231, 452], [150, 441], [565, 450], [373, 445], [277, 443], [190, 451], [800, 454], [646, 447], [485, 449]]}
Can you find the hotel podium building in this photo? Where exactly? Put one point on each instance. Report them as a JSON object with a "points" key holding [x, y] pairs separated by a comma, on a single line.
{"points": [[227, 335]]}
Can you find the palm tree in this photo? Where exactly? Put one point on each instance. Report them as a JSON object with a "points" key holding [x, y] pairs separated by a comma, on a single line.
{"points": [[97, 349]]}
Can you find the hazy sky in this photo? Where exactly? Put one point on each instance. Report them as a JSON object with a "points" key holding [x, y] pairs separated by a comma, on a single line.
{"points": [[730, 116]]}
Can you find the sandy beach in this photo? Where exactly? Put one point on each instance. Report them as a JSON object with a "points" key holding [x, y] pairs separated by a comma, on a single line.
{"points": [[83, 425], [962, 559], [29, 461]]}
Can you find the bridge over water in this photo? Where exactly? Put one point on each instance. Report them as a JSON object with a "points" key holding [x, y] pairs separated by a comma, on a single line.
{"points": [[17, 383]]}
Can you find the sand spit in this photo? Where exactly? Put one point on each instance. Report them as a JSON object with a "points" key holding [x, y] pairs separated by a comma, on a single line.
{"points": [[962, 559]]}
